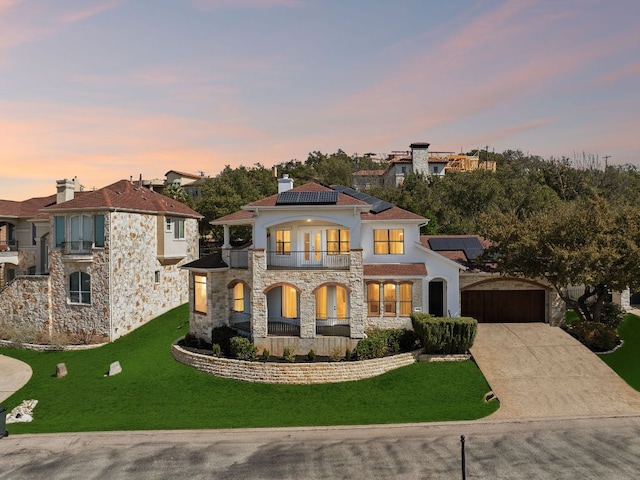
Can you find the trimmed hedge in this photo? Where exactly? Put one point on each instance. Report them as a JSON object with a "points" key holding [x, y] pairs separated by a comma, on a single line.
{"points": [[242, 348], [444, 335]]}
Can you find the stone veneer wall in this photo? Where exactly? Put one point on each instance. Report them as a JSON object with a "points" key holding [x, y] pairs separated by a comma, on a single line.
{"points": [[554, 306], [26, 301], [292, 373], [135, 297]]}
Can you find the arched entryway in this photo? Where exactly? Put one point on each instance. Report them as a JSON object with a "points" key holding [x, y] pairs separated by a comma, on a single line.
{"points": [[283, 310]]}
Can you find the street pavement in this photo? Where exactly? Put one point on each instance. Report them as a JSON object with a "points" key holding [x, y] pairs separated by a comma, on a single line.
{"points": [[595, 448]]}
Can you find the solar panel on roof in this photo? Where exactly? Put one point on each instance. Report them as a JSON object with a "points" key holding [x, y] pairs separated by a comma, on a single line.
{"points": [[307, 198], [471, 246], [377, 205]]}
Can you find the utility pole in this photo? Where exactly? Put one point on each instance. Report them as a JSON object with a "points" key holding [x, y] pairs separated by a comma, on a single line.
{"points": [[606, 160]]}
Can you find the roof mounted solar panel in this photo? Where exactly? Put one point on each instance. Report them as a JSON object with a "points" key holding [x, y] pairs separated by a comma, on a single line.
{"points": [[471, 246], [307, 198], [377, 205]]}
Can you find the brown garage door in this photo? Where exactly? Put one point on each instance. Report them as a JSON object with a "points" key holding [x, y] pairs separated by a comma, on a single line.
{"points": [[504, 306]]}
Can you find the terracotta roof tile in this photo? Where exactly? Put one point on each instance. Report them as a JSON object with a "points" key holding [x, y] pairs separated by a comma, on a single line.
{"points": [[393, 213], [127, 196], [239, 215], [394, 270]]}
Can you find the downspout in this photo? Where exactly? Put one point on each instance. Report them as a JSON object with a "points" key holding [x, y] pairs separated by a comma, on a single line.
{"points": [[109, 280]]}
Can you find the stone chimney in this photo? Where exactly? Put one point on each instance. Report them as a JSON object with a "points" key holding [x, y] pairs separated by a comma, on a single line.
{"points": [[285, 183], [420, 157], [65, 189]]}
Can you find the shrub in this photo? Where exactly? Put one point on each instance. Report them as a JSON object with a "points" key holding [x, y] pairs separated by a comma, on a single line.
{"points": [[336, 355], [370, 347], [311, 355], [596, 336], [444, 335], [217, 351], [241, 348], [266, 354], [395, 339], [611, 314], [222, 336], [288, 354], [348, 354]]}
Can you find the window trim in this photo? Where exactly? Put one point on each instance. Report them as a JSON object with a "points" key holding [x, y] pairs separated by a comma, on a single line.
{"points": [[283, 247], [342, 244], [380, 306], [199, 281], [384, 246], [81, 293]]}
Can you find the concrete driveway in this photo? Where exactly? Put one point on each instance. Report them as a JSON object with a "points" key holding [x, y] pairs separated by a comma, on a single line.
{"points": [[539, 371]]}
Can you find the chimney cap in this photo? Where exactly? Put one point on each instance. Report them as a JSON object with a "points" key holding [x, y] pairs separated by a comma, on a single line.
{"points": [[420, 145]]}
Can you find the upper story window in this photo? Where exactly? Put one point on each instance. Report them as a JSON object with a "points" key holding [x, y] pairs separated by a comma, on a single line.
{"points": [[79, 233], [175, 225], [178, 229], [388, 242], [283, 242], [80, 288], [338, 241]]}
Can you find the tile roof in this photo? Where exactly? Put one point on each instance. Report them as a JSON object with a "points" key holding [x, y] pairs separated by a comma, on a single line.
{"points": [[394, 270], [125, 195], [209, 262], [184, 174], [394, 213], [309, 187], [235, 216], [27, 208]]}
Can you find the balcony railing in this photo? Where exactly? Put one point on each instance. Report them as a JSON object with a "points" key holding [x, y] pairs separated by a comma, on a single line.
{"points": [[308, 260], [77, 247], [8, 246], [239, 259], [286, 327], [333, 327]]}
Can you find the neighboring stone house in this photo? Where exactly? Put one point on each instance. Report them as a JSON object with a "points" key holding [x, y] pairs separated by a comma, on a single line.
{"points": [[96, 263], [324, 265]]}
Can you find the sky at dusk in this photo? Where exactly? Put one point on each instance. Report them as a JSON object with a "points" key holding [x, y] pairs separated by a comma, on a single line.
{"points": [[112, 89]]}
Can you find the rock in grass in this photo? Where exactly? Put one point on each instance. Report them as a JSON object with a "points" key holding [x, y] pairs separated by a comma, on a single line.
{"points": [[114, 369], [61, 370]]}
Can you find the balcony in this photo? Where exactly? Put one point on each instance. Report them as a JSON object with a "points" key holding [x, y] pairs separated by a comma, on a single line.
{"points": [[77, 247], [333, 327], [239, 259], [284, 327], [305, 260]]}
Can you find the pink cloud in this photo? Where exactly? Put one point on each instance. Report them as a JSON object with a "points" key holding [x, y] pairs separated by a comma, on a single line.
{"points": [[91, 11], [214, 4], [629, 70]]}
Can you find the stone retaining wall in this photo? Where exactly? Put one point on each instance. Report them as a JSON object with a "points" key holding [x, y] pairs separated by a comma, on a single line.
{"points": [[292, 373]]}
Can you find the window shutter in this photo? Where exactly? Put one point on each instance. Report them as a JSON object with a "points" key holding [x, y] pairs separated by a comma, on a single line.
{"points": [[98, 230], [59, 226]]}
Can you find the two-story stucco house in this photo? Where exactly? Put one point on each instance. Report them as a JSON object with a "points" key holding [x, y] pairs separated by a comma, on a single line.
{"points": [[98, 263], [324, 265]]}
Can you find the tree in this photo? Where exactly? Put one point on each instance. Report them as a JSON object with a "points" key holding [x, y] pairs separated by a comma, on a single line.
{"points": [[176, 192], [583, 242]]}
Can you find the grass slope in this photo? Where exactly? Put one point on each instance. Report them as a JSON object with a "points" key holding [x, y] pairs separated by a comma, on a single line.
{"points": [[626, 359], [156, 392]]}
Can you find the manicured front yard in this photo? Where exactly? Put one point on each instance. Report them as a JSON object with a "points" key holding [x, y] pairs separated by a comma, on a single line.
{"points": [[156, 392], [626, 359]]}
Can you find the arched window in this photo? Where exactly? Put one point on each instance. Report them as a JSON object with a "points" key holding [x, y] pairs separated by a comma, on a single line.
{"points": [[80, 288], [238, 297]]}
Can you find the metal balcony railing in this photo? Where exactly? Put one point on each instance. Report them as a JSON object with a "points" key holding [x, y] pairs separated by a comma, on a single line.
{"points": [[334, 327], [287, 327], [308, 260], [77, 247]]}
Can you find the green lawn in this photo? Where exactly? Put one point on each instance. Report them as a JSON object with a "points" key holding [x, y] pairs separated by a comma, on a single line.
{"points": [[156, 392], [626, 360]]}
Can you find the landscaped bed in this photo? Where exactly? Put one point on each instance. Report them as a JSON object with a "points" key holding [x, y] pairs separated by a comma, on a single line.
{"points": [[156, 392]]}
